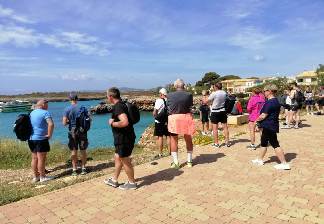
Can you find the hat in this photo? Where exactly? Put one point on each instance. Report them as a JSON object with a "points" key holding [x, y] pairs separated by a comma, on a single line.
{"points": [[163, 91], [73, 96]]}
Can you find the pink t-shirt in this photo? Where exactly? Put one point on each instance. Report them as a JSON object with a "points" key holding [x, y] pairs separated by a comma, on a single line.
{"points": [[254, 106]]}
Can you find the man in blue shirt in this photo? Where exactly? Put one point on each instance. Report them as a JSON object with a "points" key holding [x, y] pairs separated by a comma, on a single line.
{"points": [[77, 140], [43, 126], [269, 122]]}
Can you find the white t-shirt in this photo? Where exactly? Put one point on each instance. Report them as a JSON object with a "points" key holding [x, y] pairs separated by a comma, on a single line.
{"points": [[159, 106]]}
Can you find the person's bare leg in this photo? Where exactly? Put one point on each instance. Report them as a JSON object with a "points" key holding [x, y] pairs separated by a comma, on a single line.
{"points": [[74, 159], [263, 152], [252, 132], [169, 144], [280, 154], [160, 143], [129, 169], [118, 167], [215, 133], [188, 140], [297, 117], [83, 157], [41, 159], [174, 143], [34, 164], [226, 132], [207, 127]]}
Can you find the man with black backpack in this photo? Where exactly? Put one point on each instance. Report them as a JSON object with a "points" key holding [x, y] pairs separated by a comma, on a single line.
{"points": [[160, 114], [122, 120], [78, 121]]}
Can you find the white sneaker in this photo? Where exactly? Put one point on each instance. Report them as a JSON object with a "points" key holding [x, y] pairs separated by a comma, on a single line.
{"points": [[282, 166], [45, 179], [35, 179], [203, 133], [258, 162]]}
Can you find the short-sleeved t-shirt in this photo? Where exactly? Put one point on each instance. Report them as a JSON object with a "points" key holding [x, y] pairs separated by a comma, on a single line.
{"points": [[204, 108], [71, 113], [272, 109], [38, 120], [218, 97], [159, 106], [125, 135], [180, 102]]}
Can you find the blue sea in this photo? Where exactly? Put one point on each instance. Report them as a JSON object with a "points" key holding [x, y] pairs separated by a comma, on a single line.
{"points": [[100, 134]]}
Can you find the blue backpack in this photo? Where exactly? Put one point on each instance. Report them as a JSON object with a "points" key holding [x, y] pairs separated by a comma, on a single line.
{"points": [[83, 120]]}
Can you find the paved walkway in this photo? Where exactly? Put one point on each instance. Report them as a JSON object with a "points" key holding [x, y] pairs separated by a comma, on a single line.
{"points": [[222, 187]]}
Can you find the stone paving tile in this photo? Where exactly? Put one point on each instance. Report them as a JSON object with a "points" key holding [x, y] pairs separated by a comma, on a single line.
{"points": [[222, 187]]}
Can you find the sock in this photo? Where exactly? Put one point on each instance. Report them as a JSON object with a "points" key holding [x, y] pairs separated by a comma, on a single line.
{"points": [[189, 156], [175, 157]]}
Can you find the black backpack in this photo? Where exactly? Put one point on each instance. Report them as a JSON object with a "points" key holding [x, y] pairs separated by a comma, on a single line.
{"points": [[300, 98], [162, 117], [133, 115], [23, 127], [83, 120], [229, 103]]}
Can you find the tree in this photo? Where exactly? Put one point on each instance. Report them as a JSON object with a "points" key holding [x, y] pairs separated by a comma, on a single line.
{"points": [[320, 73], [208, 78], [282, 84], [228, 77]]}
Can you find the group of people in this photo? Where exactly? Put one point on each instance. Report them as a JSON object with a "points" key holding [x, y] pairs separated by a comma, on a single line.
{"points": [[173, 117]]}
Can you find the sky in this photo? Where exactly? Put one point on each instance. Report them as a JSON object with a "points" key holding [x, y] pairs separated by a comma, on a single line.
{"points": [[74, 45]]}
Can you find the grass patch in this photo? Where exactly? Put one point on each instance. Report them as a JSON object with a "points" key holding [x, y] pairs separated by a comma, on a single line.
{"points": [[15, 179]]}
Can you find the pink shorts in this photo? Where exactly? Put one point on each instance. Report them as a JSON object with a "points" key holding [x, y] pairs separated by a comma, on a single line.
{"points": [[181, 124]]}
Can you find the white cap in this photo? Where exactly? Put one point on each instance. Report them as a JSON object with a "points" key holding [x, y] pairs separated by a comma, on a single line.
{"points": [[163, 91]]}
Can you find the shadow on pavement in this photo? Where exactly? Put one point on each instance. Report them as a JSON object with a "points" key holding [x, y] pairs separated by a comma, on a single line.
{"points": [[289, 157], [163, 175], [207, 158], [235, 141]]}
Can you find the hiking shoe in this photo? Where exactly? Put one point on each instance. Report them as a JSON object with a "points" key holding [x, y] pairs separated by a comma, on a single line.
{"points": [[45, 179], [189, 164], [111, 182], [252, 146], [128, 186], [84, 171], [258, 162], [175, 165], [216, 145], [74, 173], [35, 179], [282, 166]]}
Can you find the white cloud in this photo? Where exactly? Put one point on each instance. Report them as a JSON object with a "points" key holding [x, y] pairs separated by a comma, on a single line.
{"points": [[250, 38], [239, 9], [10, 14], [258, 58], [72, 41], [77, 77]]}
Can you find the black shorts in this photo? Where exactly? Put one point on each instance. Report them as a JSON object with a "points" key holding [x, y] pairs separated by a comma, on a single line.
{"points": [[39, 145], [309, 102], [217, 117], [78, 141], [296, 107], [320, 102], [124, 150], [161, 129], [287, 107], [269, 136], [205, 117]]}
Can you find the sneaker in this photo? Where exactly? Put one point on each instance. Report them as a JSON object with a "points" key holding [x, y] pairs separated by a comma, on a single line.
{"points": [[35, 179], [45, 179], [216, 145], [111, 182], [84, 171], [296, 126], [74, 173], [258, 162], [175, 165], [128, 186], [228, 144], [189, 164], [285, 127], [284, 124], [282, 166], [252, 146], [203, 133]]}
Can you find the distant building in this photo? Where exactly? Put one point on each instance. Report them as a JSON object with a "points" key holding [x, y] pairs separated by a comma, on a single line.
{"points": [[307, 78], [240, 85]]}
